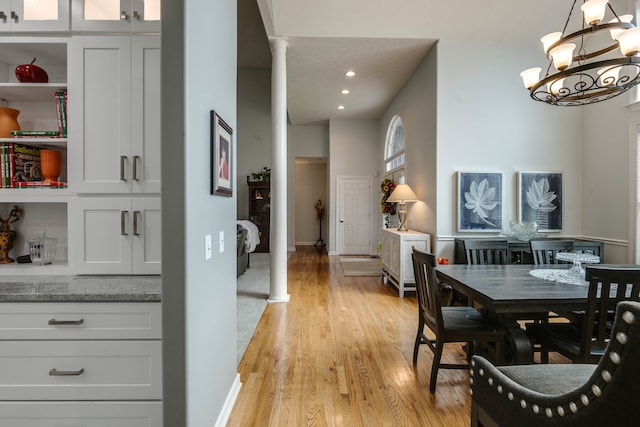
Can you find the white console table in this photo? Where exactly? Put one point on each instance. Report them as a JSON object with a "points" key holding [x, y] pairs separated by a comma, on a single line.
{"points": [[397, 267]]}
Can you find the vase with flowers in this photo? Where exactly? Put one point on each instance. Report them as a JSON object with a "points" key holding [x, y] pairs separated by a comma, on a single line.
{"points": [[263, 176], [386, 188]]}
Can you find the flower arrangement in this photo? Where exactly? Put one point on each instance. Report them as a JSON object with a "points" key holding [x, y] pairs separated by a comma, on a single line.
{"points": [[386, 188], [320, 208], [263, 175]]}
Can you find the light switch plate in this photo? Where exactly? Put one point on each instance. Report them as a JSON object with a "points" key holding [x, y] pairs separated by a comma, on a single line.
{"points": [[221, 246], [207, 247]]}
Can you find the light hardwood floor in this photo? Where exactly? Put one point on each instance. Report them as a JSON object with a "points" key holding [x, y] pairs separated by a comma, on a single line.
{"points": [[339, 354]]}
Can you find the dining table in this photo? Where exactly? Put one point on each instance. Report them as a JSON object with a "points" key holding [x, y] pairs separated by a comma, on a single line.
{"points": [[510, 294]]}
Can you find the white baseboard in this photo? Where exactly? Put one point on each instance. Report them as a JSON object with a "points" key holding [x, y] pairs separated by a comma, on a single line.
{"points": [[229, 402]]}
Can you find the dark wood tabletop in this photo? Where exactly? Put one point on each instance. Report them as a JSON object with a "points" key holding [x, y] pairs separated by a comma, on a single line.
{"points": [[510, 289], [509, 293]]}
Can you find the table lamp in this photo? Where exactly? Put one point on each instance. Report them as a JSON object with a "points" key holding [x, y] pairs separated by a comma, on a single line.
{"points": [[401, 195]]}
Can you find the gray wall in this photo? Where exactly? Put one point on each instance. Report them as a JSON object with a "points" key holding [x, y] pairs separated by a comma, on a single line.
{"points": [[416, 106], [353, 147], [254, 129], [199, 297]]}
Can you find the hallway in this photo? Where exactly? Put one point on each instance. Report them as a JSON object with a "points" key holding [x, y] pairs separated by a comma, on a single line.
{"points": [[339, 353]]}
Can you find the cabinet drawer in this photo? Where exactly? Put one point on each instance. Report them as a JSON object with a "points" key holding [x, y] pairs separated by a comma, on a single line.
{"points": [[81, 414], [95, 370], [52, 321]]}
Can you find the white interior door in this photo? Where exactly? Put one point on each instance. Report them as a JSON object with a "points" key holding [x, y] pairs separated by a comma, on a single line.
{"points": [[354, 215]]}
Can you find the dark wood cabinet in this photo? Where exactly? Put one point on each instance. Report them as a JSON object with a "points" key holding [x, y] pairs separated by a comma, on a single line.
{"points": [[521, 253], [260, 211]]}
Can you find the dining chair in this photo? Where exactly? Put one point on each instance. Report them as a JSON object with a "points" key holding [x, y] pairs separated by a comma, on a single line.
{"points": [[584, 341], [449, 324], [544, 251], [577, 395], [484, 251]]}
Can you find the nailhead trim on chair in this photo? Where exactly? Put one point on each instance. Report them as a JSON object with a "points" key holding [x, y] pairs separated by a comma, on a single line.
{"points": [[596, 389]]}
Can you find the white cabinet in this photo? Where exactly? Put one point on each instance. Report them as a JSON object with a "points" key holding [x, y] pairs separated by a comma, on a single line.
{"points": [[81, 364], [34, 15], [397, 265], [116, 15], [119, 235], [115, 82]]}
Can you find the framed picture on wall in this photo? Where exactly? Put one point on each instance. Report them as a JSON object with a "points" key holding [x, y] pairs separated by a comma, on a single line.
{"points": [[221, 161], [540, 199], [479, 201]]}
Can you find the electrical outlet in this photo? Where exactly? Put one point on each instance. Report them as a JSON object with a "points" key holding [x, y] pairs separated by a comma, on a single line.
{"points": [[221, 246], [207, 247]]}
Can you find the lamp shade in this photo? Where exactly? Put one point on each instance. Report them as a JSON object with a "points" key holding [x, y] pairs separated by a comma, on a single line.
{"points": [[629, 41], [401, 194], [530, 76], [616, 31], [594, 11], [562, 55], [550, 39]]}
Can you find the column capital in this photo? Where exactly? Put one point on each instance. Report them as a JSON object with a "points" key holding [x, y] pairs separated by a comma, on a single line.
{"points": [[278, 44]]}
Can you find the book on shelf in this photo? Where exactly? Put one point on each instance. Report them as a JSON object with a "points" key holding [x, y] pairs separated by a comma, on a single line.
{"points": [[24, 164], [61, 107], [35, 134], [40, 184]]}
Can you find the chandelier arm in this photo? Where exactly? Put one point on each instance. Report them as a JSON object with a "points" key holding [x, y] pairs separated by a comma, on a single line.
{"points": [[614, 12], [592, 30], [583, 92], [566, 24]]}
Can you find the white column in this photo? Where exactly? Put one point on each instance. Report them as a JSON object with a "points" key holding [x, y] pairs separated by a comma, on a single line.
{"points": [[278, 243]]}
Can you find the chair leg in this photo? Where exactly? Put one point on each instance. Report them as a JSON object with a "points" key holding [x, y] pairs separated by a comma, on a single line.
{"points": [[437, 355], [544, 356], [416, 346]]}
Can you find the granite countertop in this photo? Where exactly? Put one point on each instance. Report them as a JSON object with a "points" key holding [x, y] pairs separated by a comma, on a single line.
{"points": [[80, 288]]}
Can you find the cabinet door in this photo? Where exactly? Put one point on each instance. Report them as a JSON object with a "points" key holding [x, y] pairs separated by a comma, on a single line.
{"points": [[146, 241], [116, 15], [100, 80], [34, 15], [145, 151], [102, 235]]}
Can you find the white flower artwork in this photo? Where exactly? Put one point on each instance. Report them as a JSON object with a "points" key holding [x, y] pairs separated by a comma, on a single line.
{"points": [[540, 199], [479, 201]]}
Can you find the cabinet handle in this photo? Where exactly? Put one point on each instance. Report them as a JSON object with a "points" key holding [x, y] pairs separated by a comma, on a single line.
{"points": [[55, 373], [136, 15], [66, 322], [136, 214], [3, 16], [123, 161], [136, 159], [123, 220], [14, 16], [123, 16]]}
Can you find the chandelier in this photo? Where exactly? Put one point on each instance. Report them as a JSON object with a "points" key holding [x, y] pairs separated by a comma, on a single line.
{"points": [[596, 62]]}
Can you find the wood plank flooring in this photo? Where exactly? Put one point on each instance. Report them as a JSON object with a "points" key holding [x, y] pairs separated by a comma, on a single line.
{"points": [[339, 354]]}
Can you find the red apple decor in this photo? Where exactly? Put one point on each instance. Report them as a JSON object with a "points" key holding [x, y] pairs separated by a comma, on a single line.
{"points": [[29, 73]]}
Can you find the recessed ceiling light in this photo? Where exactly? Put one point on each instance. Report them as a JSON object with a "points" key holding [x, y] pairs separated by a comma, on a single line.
{"points": [[350, 73], [345, 91], [340, 107]]}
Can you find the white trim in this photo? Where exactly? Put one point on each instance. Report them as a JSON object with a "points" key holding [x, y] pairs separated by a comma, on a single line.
{"points": [[225, 412]]}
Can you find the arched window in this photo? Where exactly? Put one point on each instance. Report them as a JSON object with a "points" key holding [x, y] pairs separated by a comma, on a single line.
{"points": [[394, 153]]}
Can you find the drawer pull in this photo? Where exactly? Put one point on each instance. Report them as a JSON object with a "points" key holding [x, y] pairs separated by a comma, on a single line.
{"points": [[66, 322], [55, 373]]}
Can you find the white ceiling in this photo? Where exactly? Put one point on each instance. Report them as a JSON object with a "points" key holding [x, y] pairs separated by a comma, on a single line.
{"points": [[316, 67]]}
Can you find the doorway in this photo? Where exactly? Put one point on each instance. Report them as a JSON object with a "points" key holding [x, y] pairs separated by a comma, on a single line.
{"points": [[310, 187], [353, 227]]}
